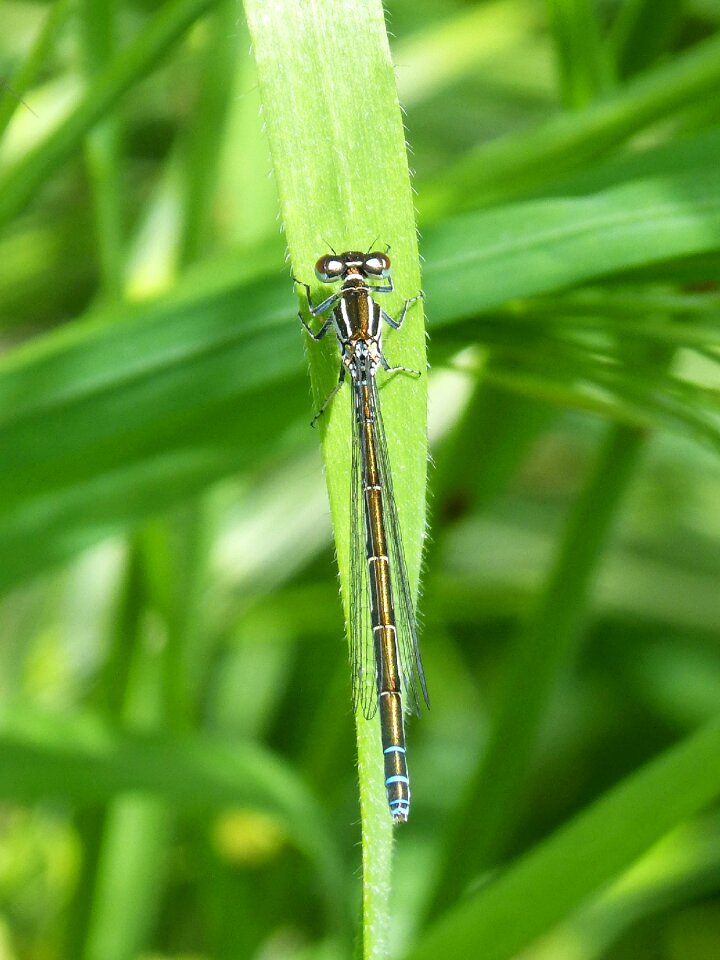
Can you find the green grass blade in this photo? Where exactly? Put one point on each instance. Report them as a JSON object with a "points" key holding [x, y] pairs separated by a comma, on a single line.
{"points": [[137, 847], [102, 147], [524, 161], [205, 134], [128, 844], [558, 876], [676, 873], [659, 401], [340, 162], [539, 655], [21, 182], [581, 59], [439, 54], [666, 159], [111, 395], [559, 242], [643, 31], [82, 760], [35, 61], [125, 646]]}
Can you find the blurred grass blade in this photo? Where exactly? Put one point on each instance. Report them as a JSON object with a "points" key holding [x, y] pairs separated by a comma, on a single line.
{"points": [[435, 58], [559, 875], [110, 423], [126, 650], [669, 404], [351, 190], [131, 887], [536, 659], [643, 31], [560, 242], [676, 873], [519, 162], [665, 159], [582, 61], [202, 158], [36, 60], [20, 183], [102, 147], [81, 760]]}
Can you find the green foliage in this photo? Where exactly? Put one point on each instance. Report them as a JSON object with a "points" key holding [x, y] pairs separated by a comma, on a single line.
{"points": [[180, 768]]}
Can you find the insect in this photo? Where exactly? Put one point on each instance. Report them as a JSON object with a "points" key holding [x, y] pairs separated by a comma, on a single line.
{"points": [[387, 672]]}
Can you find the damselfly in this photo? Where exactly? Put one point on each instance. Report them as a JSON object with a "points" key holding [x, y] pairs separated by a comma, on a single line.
{"points": [[386, 666]]}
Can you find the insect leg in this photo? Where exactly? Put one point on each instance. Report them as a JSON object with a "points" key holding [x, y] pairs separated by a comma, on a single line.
{"points": [[386, 288], [323, 329], [320, 307], [388, 369], [341, 380], [408, 303]]}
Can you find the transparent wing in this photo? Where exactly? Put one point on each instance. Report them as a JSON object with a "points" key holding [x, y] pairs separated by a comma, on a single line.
{"points": [[362, 653], [411, 669]]}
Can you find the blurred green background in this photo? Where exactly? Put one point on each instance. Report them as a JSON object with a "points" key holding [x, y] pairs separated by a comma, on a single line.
{"points": [[177, 756]]}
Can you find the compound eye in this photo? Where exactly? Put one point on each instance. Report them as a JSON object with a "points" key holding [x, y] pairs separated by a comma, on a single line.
{"points": [[329, 268], [378, 264]]}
